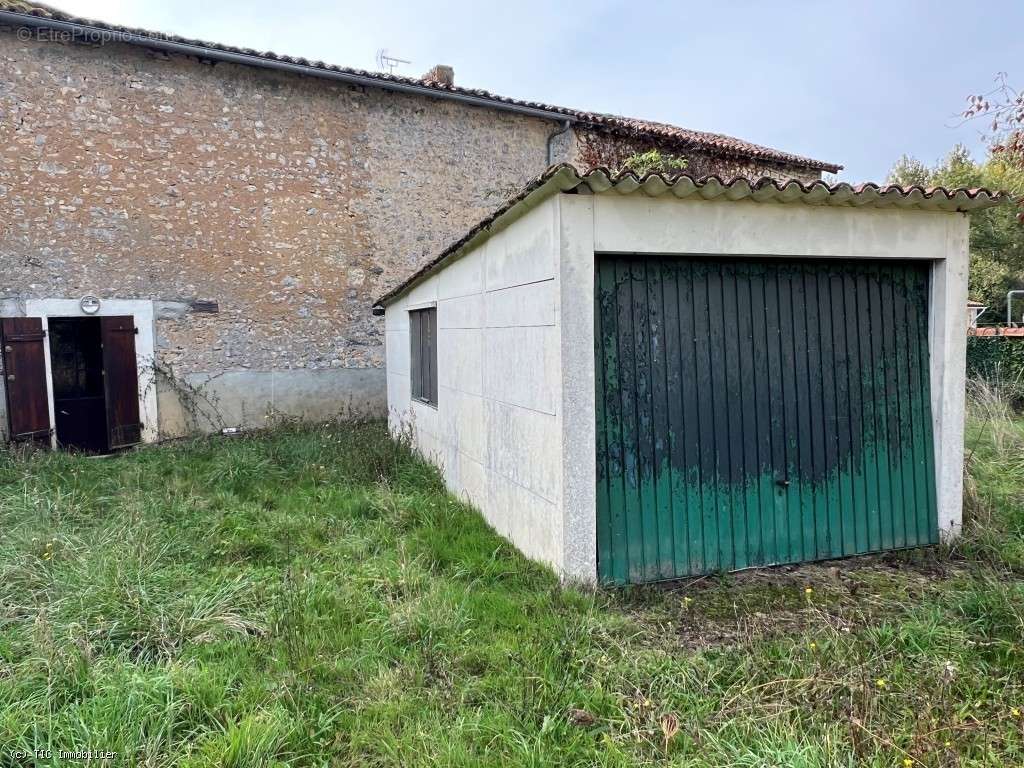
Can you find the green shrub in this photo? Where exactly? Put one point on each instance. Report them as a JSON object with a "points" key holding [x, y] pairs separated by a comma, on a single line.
{"points": [[653, 161], [998, 360]]}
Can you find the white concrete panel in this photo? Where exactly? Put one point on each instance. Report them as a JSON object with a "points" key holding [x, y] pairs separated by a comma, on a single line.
{"points": [[450, 466], [398, 402], [947, 343], [525, 252], [532, 304], [424, 418], [397, 351], [463, 422], [396, 317], [423, 294], [522, 366], [432, 449], [667, 225], [472, 481], [460, 359], [462, 277], [530, 522], [461, 312], [578, 389], [525, 447], [496, 448]]}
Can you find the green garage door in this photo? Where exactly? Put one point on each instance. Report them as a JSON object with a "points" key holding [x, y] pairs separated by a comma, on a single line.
{"points": [[752, 412]]}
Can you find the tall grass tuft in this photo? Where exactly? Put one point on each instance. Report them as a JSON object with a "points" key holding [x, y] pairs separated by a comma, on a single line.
{"points": [[993, 473]]}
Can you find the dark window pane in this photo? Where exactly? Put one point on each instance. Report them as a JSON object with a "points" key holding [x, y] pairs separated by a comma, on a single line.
{"points": [[423, 357]]}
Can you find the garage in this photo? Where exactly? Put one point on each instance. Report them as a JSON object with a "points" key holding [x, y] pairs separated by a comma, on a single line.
{"points": [[638, 379]]}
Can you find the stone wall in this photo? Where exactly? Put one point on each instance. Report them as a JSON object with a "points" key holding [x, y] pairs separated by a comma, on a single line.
{"points": [[268, 209], [291, 202]]}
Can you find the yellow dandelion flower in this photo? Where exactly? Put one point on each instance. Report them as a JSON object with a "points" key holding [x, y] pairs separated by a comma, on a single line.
{"points": [[907, 762], [947, 744], [1015, 711], [813, 645], [808, 591], [880, 682]]}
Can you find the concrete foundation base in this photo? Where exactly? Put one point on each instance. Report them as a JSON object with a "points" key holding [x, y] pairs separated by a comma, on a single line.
{"points": [[255, 399]]}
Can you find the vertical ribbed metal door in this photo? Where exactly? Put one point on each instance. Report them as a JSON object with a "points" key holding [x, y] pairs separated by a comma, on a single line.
{"points": [[752, 412]]}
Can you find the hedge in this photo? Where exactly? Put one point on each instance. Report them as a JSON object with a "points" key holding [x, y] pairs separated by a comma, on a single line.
{"points": [[995, 357]]}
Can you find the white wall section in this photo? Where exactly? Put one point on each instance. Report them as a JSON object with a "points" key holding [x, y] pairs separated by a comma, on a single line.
{"points": [[495, 432]]}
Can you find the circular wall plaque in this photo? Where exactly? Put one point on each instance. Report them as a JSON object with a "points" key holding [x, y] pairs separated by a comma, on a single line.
{"points": [[90, 305]]}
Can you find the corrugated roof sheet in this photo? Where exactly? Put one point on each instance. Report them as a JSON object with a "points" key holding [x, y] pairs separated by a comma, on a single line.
{"points": [[718, 144], [563, 178]]}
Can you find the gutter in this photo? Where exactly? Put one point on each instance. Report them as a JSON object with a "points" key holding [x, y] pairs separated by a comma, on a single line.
{"points": [[96, 35]]}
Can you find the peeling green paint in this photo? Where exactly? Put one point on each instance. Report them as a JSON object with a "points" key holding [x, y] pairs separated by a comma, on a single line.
{"points": [[759, 412]]}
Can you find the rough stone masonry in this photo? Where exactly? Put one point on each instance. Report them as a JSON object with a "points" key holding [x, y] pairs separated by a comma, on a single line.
{"points": [[261, 211]]}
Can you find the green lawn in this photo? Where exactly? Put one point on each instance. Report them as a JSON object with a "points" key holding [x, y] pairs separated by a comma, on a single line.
{"points": [[313, 597]]}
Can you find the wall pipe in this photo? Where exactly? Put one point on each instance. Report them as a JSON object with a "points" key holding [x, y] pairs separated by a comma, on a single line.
{"points": [[562, 129]]}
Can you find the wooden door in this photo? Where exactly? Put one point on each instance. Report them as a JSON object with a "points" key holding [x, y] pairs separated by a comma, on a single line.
{"points": [[24, 360], [121, 381]]}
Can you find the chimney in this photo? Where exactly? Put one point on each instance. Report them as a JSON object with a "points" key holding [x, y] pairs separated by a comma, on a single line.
{"points": [[441, 74]]}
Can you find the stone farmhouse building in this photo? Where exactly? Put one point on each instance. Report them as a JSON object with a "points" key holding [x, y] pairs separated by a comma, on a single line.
{"points": [[192, 235]]}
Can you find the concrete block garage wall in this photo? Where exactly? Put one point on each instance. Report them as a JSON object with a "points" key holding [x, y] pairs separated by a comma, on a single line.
{"points": [[497, 431]]}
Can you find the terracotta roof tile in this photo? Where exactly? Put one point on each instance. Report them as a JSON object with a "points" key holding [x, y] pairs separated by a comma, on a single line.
{"points": [[701, 140], [996, 331]]}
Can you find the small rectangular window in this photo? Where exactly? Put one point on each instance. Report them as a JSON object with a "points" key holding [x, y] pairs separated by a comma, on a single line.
{"points": [[423, 336]]}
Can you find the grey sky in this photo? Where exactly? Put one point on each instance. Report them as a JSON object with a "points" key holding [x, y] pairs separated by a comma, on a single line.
{"points": [[854, 83]]}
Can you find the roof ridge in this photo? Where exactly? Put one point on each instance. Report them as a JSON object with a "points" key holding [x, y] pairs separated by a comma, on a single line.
{"points": [[717, 143]]}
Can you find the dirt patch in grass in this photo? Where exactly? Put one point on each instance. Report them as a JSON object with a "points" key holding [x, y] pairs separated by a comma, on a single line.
{"points": [[722, 611]]}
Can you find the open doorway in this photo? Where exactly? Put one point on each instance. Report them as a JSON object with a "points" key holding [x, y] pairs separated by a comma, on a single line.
{"points": [[79, 398], [73, 381]]}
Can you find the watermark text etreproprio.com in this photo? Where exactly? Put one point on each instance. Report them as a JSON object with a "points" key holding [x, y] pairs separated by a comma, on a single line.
{"points": [[84, 35]]}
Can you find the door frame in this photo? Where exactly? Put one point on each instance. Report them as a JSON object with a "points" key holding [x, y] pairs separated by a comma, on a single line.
{"points": [[141, 310]]}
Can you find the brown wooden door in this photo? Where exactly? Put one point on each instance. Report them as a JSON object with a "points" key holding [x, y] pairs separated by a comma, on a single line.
{"points": [[121, 380], [28, 411]]}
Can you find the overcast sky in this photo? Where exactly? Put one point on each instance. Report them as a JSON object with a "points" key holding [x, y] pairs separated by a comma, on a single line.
{"points": [[853, 83]]}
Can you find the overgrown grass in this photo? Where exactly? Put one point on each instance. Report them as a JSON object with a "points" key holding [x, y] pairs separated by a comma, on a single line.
{"points": [[994, 480], [313, 597]]}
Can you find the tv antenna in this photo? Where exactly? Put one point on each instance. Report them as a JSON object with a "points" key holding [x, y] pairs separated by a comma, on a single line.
{"points": [[389, 62]]}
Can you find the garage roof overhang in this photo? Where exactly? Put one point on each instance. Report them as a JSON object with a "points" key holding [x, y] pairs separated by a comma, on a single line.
{"points": [[566, 178]]}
